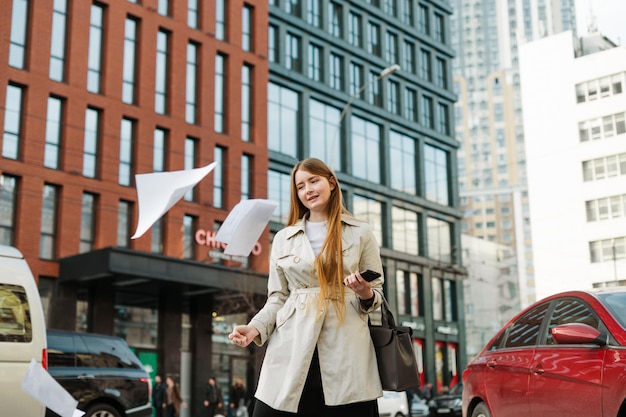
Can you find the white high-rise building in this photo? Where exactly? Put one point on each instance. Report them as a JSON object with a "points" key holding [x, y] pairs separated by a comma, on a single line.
{"points": [[574, 100], [486, 35]]}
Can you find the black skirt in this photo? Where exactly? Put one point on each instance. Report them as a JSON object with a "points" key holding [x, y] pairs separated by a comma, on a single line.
{"points": [[312, 401]]}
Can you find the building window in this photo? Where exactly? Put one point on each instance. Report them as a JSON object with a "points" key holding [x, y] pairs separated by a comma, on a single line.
{"points": [[423, 22], [220, 94], [440, 28], [220, 20], [443, 119], [425, 67], [127, 140], [278, 190], [373, 39], [91, 143], [292, 53], [608, 250], [390, 7], [162, 73], [87, 223], [219, 156], [438, 238], [246, 176], [410, 99], [602, 168], [54, 117], [371, 211], [438, 303], [606, 208], [356, 80], [427, 112], [375, 97], [407, 12], [336, 72], [315, 62], [189, 231], [436, 175], [191, 98], [293, 7], [402, 156], [192, 14], [163, 7], [246, 103], [157, 238], [8, 208], [392, 48], [246, 27], [404, 231], [365, 149], [48, 229], [12, 122], [124, 221], [272, 44], [354, 34], [441, 73], [314, 13], [282, 119], [57, 40], [324, 132], [191, 154], [393, 97], [335, 19], [96, 46], [129, 72], [159, 149], [19, 29], [409, 289], [408, 55]]}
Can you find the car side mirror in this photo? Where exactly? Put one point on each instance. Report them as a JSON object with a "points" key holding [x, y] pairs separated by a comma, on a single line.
{"points": [[578, 334]]}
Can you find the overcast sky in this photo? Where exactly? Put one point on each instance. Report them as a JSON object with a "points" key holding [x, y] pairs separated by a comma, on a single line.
{"points": [[610, 18]]}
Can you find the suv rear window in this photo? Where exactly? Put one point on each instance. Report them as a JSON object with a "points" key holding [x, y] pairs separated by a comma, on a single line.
{"points": [[15, 325], [89, 351]]}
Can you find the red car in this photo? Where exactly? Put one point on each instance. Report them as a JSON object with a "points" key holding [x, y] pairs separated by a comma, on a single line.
{"points": [[562, 356]]}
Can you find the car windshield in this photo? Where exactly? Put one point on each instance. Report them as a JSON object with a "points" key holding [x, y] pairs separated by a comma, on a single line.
{"points": [[616, 304]]}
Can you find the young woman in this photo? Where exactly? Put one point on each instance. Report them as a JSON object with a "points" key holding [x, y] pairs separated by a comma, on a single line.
{"points": [[320, 360]]}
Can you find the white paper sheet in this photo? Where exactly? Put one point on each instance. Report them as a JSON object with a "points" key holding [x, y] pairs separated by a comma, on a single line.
{"points": [[157, 192], [244, 224], [40, 385]]}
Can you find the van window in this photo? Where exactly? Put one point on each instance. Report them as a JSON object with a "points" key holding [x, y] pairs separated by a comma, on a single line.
{"points": [[15, 325]]}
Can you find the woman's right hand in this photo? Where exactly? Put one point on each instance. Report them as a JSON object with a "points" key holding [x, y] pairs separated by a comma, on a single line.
{"points": [[243, 335]]}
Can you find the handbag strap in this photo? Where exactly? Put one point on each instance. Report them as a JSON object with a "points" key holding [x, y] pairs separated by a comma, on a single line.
{"points": [[386, 315]]}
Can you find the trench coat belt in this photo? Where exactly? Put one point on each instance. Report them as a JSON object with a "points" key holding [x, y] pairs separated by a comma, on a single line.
{"points": [[314, 290]]}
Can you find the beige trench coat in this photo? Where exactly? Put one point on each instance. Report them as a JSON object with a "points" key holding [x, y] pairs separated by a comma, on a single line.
{"points": [[290, 322]]}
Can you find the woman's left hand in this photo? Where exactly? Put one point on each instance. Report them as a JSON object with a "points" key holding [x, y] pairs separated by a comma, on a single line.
{"points": [[356, 283]]}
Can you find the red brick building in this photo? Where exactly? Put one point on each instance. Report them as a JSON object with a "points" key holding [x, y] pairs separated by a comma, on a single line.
{"points": [[93, 92]]}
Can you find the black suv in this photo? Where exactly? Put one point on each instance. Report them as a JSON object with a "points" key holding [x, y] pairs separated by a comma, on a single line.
{"points": [[101, 373]]}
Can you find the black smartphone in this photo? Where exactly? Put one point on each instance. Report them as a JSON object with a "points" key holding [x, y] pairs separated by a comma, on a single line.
{"points": [[369, 275]]}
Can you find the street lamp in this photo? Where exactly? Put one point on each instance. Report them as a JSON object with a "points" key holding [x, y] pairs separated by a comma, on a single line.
{"points": [[384, 73]]}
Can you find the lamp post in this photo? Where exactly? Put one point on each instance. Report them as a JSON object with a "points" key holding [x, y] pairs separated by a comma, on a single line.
{"points": [[384, 73]]}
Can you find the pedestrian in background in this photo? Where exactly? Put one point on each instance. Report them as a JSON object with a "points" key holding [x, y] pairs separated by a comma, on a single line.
{"points": [[212, 397], [237, 399], [158, 396], [173, 399], [320, 360]]}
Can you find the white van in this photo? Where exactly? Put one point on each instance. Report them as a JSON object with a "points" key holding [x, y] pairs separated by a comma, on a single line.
{"points": [[22, 333]]}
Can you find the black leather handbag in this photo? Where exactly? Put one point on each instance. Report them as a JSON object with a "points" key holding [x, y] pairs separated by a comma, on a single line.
{"points": [[397, 364]]}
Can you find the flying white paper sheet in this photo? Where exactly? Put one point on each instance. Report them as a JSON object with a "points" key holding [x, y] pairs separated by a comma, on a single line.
{"points": [[157, 192], [244, 224], [40, 385]]}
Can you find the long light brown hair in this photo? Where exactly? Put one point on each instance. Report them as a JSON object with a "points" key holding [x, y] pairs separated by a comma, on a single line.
{"points": [[329, 262]]}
